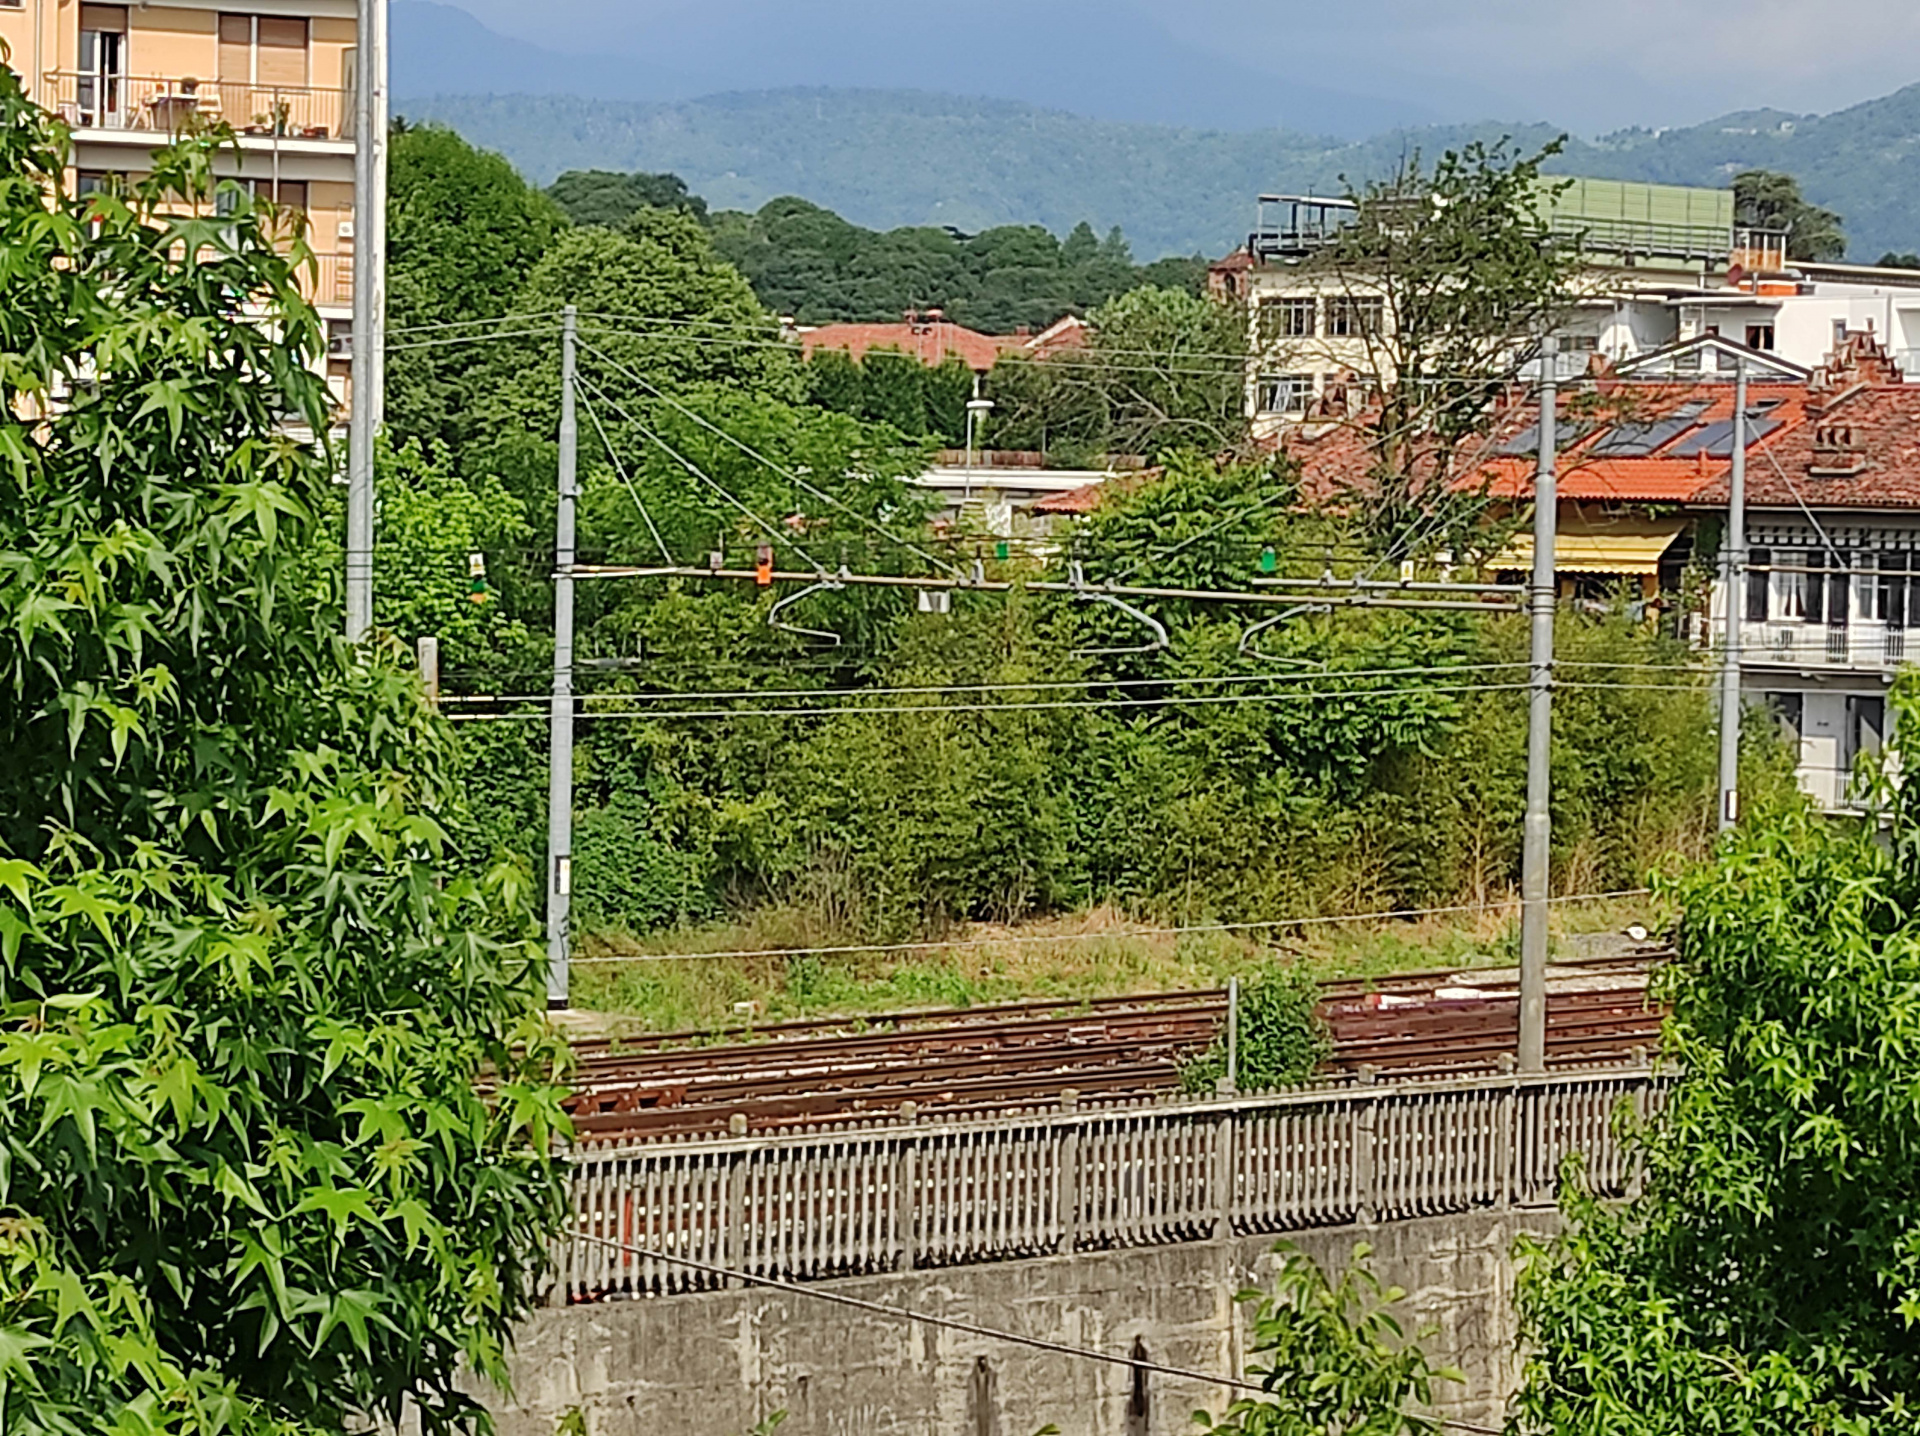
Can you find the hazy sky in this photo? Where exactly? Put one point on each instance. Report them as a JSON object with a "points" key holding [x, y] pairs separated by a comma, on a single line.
{"points": [[1574, 62]]}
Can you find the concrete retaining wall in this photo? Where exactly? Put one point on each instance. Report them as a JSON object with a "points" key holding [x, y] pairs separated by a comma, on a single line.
{"points": [[714, 1364]]}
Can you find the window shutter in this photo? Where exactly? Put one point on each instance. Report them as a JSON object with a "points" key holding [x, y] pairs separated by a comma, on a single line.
{"points": [[1837, 591], [1758, 561], [283, 52]]}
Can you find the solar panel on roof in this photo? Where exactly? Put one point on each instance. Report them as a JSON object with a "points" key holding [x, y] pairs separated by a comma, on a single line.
{"points": [[1636, 440], [1526, 443], [1717, 438]]}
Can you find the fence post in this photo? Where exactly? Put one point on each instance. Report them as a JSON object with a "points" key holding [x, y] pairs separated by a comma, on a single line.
{"points": [[1506, 1134], [1067, 1174], [906, 1187], [1363, 1151], [736, 1248], [1225, 1172]]}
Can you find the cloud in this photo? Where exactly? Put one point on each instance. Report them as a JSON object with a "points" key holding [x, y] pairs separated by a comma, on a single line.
{"points": [[1634, 61], [1649, 62]]}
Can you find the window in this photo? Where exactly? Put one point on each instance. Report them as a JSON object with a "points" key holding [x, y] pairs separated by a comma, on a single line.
{"points": [[1759, 560], [1580, 343], [1760, 336], [263, 51], [88, 182], [1888, 591], [1866, 725], [1789, 711], [1787, 588], [1284, 393], [288, 194], [1839, 332], [1287, 318], [1354, 318], [100, 91]]}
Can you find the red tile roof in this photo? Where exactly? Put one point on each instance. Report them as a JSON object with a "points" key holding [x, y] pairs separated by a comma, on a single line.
{"points": [[929, 341], [1861, 450], [932, 340]]}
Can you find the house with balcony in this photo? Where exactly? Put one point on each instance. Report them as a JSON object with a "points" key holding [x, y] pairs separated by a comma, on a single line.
{"points": [[129, 78], [1833, 534]]}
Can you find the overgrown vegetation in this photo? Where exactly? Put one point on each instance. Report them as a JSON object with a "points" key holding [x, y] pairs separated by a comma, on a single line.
{"points": [[1280, 1039], [897, 774], [1766, 1278], [255, 962], [1333, 1358]]}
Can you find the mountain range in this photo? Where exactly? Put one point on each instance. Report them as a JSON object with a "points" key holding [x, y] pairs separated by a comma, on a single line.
{"points": [[886, 157]]}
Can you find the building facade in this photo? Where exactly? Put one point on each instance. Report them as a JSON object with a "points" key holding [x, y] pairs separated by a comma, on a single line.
{"points": [[280, 73]]}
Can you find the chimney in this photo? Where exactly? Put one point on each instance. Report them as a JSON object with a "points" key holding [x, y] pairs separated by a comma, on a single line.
{"points": [[1836, 453]]}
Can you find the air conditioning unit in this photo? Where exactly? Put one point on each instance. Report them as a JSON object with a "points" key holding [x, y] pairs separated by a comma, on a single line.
{"points": [[346, 229]]}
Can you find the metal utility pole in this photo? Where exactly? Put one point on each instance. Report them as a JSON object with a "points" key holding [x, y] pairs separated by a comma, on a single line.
{"points": [[1535, 855], [560, 750], [1733, 570], [428, 651], [369, 304]]}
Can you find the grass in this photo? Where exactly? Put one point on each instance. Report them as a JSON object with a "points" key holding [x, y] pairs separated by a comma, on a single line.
{"points": [[691, 981]]}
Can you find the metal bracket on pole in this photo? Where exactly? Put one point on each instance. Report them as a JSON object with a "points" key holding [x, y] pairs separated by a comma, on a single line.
{"points": [[1537, 847], [1077, 582], [825, 585], [560, 734], [1733, 568]]}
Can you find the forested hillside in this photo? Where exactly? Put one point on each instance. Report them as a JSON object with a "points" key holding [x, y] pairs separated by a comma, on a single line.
{"points": [[808, 263], [885, 158]]}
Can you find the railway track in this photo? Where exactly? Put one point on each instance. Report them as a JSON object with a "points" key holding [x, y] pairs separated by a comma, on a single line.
{"points": [[1019, 1056]]}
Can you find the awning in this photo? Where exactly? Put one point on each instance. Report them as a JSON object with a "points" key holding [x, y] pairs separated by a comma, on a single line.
{"points": [[1635, 546]]}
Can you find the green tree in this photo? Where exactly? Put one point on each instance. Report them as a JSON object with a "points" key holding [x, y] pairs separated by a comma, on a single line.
{"points": [[1160, 375], [251, 976], [463, 232], [1767, 1277], [610, 199], [1448, 276], [1280, 1038], [1766, 199], [1334, 1359]]}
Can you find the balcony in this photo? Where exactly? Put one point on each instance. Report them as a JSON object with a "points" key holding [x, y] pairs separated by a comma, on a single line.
{"points": [[1861, 646], [162, 108], [333, 286]]}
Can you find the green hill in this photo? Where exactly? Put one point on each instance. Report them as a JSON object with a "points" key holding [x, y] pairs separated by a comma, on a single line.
{"points": [[884, 158]]}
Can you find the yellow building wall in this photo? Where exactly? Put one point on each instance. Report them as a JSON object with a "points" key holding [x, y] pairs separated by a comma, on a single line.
{"points": [[171, 44], [16, 38]]}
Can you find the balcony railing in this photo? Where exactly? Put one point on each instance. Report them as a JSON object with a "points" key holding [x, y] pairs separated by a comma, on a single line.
{"points": [[168, 106], [1861, 645], [334, 284]]}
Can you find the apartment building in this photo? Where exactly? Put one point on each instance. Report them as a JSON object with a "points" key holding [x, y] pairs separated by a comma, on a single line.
{"points": [[1320, 336], [128, 78]]}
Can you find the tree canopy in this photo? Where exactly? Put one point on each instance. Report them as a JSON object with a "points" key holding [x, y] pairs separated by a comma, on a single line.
{"points": [[1766, 199], [463, 232], [610, 199], [253, 971], [1767, 1278], [809, 263]]}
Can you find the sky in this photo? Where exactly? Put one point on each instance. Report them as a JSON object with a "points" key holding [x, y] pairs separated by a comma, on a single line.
{"points": [[1571, 62]]}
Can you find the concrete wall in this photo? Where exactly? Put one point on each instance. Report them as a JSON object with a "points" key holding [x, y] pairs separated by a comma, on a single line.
{"points": [[717, 1363]]}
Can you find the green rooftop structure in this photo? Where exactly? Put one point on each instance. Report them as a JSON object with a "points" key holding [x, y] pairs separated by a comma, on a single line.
{"points": [[1628, 217]]}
